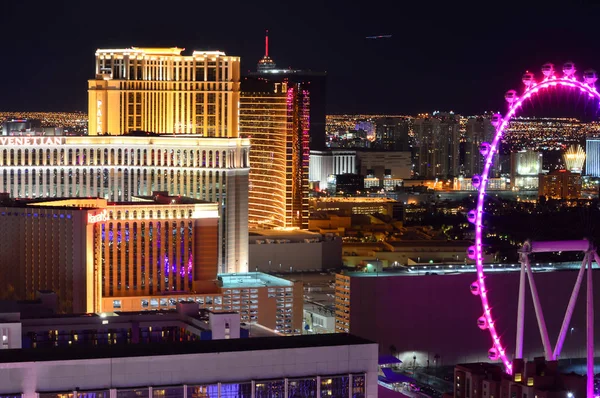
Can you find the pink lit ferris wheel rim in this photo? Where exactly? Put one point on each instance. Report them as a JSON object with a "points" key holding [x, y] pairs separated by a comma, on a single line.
{"points": [[486, 320]]}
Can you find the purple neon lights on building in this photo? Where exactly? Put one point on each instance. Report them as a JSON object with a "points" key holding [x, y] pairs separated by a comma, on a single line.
{"points": [[550, 81]]}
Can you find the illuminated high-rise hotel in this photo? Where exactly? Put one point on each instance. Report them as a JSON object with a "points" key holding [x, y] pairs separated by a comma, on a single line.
{"points": [[162, 91], [275, 117], [139, 91], [117, 168]]}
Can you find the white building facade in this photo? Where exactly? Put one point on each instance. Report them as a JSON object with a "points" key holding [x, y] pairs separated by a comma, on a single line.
{"points": [[325, 163], [119, 167], [307, 366]]}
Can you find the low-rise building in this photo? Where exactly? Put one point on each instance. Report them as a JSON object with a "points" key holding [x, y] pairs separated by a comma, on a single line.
{"points": [[293, 251], [537, 378], [560, 184], [429, 315], [187, 323], [272, 302], [333, 365], [318, 319], [355, 205], [145, 255], [407, 252]]}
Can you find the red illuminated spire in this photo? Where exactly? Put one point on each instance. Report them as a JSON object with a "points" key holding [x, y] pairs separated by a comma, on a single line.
{"points": [[267, 43], [266, 63]]}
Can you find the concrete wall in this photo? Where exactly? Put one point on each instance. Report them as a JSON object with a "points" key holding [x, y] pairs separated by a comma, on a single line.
{"points": [[224, 325], [437, 314], [10, 335], [299, 256], [94, 374]]}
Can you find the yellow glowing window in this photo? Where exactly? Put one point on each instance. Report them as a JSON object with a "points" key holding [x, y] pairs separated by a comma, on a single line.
{"points": [[518, 377], [530, 381]]}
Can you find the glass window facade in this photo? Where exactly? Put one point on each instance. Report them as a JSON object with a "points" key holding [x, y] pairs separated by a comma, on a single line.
{"points": [[167, 392], [301, 388], [335, 386], [269, 389], [203, 391], [133, 393]]}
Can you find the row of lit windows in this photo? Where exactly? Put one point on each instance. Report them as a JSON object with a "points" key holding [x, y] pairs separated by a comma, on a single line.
{"points": [[166, 69], [330, 386], [116, 185], [165, 256], [170, 86], [190, 112], [172, 301], [117, 157]]}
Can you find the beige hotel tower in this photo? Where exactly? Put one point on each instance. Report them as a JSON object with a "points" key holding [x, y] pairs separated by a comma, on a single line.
{"points": [[191, 103], [161, 91]]}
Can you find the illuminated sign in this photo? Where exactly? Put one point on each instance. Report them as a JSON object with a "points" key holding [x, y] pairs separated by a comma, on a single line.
{"points": [[100, 217], [31, 140]]}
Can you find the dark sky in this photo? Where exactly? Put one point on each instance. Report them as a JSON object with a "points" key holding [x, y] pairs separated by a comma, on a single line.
{"points": [[442, 56]]}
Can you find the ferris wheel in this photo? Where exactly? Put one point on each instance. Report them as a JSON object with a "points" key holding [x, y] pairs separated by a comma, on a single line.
{"points": [[549, 81]]}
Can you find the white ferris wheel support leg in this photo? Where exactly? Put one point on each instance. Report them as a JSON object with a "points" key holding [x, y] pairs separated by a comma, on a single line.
{"points": [[521, 307], [538, 312], [571, 306]]}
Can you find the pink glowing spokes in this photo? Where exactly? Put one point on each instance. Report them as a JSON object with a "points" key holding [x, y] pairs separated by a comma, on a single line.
{"points": [[533, 89]]}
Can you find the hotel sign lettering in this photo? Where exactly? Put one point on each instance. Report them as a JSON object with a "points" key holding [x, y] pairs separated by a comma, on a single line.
{"points": [[100, 217], [31, 141]]}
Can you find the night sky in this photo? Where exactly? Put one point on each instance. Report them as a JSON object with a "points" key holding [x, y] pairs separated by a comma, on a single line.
{"points": [[440, 57]]}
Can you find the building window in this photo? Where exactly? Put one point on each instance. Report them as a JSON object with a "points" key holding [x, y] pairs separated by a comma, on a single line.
{"points": [[167, 392], [208, 390], [271, 388], [335, 386], [236, 390], [302, 387], [133, 393], [358, 386], [530, 381]]}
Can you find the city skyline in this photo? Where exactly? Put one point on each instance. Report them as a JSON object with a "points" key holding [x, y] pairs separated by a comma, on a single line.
{"points": [[477, 59]]}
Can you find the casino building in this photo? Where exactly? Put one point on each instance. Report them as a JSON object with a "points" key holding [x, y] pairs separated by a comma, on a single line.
{"points": [[86, 249], [148, 254], [119, 168], [162, 91]]}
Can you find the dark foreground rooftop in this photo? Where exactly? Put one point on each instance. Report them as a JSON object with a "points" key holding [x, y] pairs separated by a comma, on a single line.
{"points": [[196, 347]]}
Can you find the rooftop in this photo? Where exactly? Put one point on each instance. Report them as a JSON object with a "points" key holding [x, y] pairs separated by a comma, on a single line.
{"points": [[158, 198], [428, 242], [252, 279], [357, 199], [283, 232], [480, 367], [180, 348]]}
